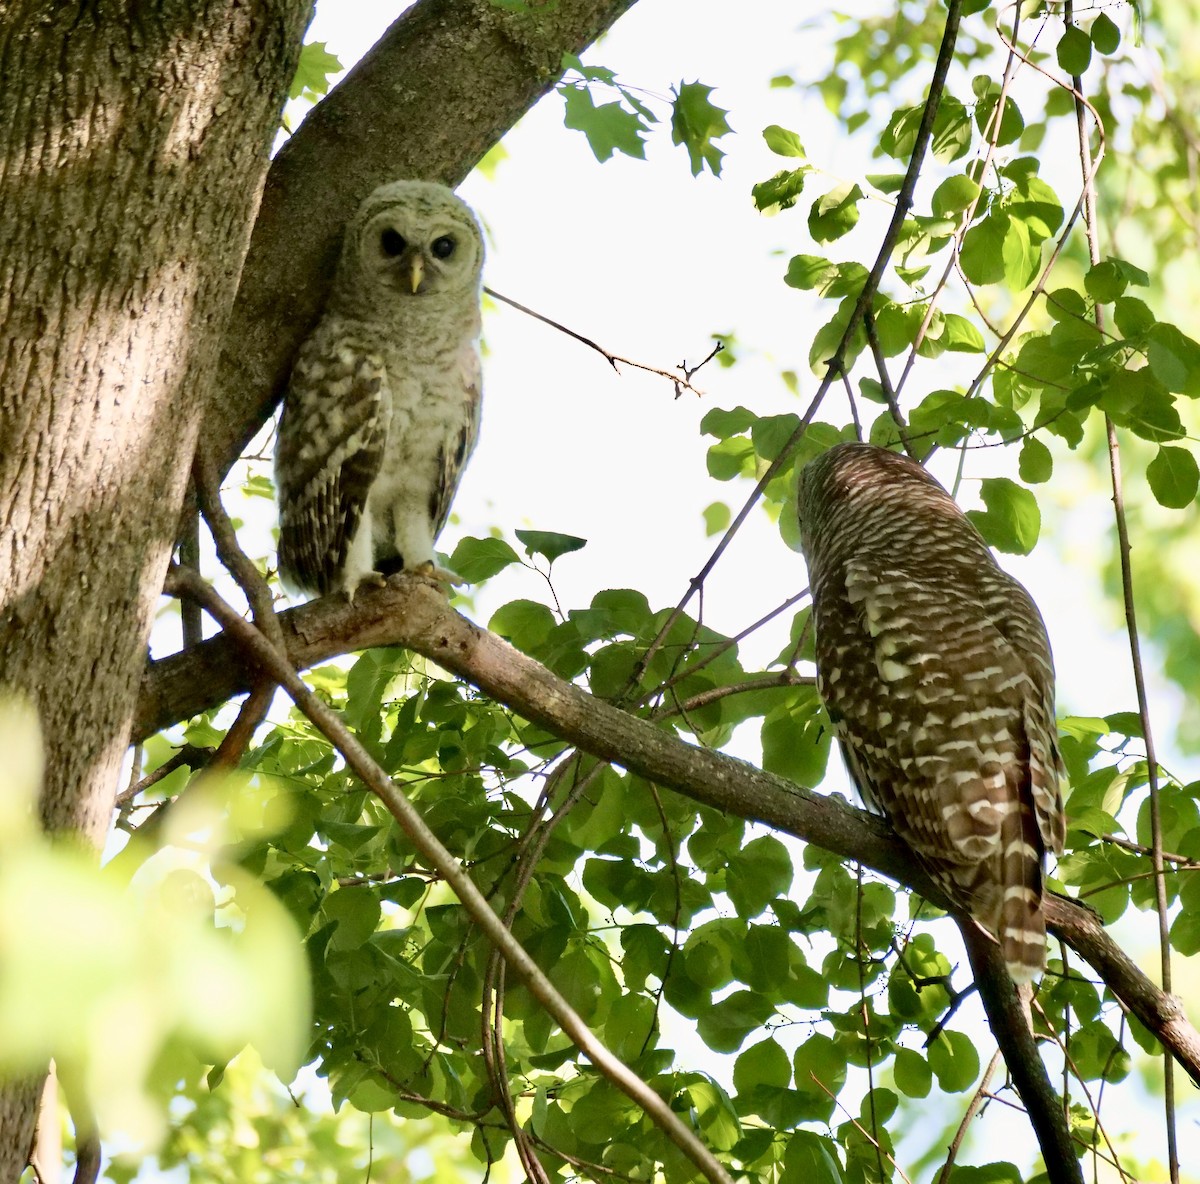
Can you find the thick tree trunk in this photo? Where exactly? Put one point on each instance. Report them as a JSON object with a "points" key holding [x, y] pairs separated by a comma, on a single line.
{"points": [[134, 142]]}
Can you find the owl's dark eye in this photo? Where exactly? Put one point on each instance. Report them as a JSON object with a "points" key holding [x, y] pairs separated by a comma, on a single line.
{"points": [[443, 247], [392, 242]]}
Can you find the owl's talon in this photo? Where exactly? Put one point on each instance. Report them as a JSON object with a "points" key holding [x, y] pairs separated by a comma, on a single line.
{"points": [[374, 578], [430, 573]]}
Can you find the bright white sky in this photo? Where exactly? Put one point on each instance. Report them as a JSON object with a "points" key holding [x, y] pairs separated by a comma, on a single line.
{"points": [[649, 262]]}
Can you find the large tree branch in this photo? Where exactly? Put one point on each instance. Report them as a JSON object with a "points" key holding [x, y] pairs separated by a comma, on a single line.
{"points": [[412, 614], [442, 85]]}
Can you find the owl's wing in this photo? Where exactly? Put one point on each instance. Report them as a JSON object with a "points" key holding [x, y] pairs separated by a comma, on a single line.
{"points": [[949, 732], [454, 454], [1016, 618], [331, 442]]}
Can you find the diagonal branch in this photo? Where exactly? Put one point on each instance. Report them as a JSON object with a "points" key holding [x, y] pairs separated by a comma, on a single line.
{"points": [[260, 650], [836, 366], [409, 613]]}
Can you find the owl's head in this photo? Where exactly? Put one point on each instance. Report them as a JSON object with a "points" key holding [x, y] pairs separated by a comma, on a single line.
{"points": [[411, 240]]}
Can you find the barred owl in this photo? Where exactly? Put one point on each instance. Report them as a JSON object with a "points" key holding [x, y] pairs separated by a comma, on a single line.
{"points": [[381, 410], [935, 668]]}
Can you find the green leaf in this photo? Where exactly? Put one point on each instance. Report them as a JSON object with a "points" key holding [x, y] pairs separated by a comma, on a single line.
{"points": [[549, 544], [1156, 418], [771, 433], [1174, 359], [1133, 316], [820, 1070], [1036, 464], [960, 335], [834, 214], [480, 559], [812, 1159], [764, 1063], [730, 458], [695, 123], [609, 128], [783, 142], [796, 736], [1012, 122], [953, 1058], [1173, 476], [1105, 282], [356, 911], [313, 70], [725, 1025], [1074, 50], [760, 873], [723, 423], [630, 1025], [954, 195], [1020, 255], [781, 191], [525, 623], [1106, 37], [951, 131], [982, 251], [912, 1073], [1012, 520], [717, 517], [809, 271]]}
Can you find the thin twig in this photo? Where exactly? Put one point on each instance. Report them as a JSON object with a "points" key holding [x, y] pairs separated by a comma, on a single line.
{"points": [[273, 662], [187, 754], [681, 377], [889, 391], [837, 363], [1088, 169], [866, 1015], [767, 682], [972, 1109], [991, 136], [1138, 849], [858, 1126], [252, 713], [531, 846], [723, 647]]}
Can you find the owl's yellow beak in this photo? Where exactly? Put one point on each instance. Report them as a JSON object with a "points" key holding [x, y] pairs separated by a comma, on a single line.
{"points": [[416, 272]]}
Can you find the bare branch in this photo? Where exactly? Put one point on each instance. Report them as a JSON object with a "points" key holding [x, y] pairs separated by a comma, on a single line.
{"points": [[681, 377]]}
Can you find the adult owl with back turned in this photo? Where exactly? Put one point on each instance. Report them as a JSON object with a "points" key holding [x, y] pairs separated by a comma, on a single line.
{"points": [[935, 669], [382, 407]]}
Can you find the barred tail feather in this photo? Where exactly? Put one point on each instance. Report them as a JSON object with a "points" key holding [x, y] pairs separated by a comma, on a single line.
{"points": [[1022, 924]]}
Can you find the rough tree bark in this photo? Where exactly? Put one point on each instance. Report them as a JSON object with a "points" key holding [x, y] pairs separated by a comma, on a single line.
{"points": [[133, 142]]}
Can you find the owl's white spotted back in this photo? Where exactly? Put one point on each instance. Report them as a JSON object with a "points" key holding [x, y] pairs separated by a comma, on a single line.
{"points": [[382, 408]]}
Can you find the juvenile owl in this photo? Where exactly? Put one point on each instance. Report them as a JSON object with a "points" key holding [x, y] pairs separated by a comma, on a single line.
{"points": [[936, 671], [382, 407]]}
